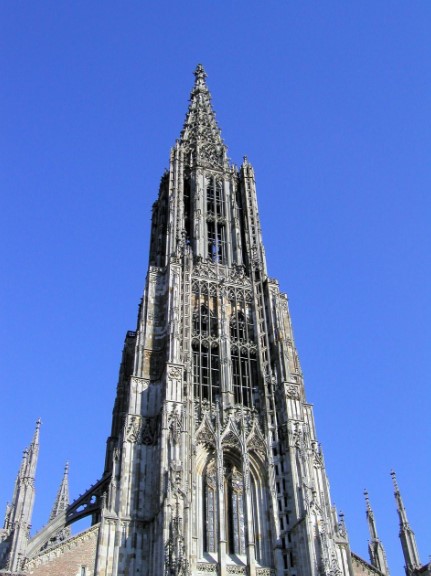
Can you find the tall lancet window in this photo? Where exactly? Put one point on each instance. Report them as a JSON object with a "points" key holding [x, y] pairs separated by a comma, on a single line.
{"points": [[187, 209], [215, 196], [243, 351], [216, 230], [234, 494], [244, 374], [210, 508], [233, 508], [205, 343]]}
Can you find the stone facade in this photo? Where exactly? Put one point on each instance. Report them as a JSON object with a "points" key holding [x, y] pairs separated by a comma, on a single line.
{"points": [[213, 465]]}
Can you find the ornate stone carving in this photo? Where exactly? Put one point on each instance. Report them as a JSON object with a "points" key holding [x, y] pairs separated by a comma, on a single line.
{"points": [[231, 440], [256, 444], [175, 372], [142, 429], [175, 425], [204, 568], [150, 429], [133, 430], [232, 569], [292, 391], [140, 384]]}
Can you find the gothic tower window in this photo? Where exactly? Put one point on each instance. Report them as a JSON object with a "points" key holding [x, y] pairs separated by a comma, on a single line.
{"points": [[241, 322], [216, 231], [243, 352], [216, 242], [206, 370], [244, 374], [210, 519], [205, 345], [233, 507], [187, 209], [205, 322], [215, 196]]}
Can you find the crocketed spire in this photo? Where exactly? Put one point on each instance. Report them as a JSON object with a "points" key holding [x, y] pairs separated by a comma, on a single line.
{"points": [[407, 536], [60, 505], [375, 546], [201, 137]]}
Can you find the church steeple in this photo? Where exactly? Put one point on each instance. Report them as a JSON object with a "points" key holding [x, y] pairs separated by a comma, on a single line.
{"points": [[375, 546], [213, 455], [407, 536]]}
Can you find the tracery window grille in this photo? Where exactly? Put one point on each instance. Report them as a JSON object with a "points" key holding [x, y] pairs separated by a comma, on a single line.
{"points": [[241, 325], [244, 374], [216, 231], [233, 504], [187, 208], [205, 343], [215, 196], [243, 350], [205, 322], [216, 236], [206, 370], [235, 529], [210, 509]]}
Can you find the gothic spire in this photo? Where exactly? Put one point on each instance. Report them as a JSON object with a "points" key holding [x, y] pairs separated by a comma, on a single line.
{"points": [[201, 137], [407, 536], [19, 513], [62, 500], [60, 505], [33, 452], [375, 546]]}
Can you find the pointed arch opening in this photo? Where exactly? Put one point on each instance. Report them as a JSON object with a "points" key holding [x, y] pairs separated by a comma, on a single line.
{"points": [[232, 508]]}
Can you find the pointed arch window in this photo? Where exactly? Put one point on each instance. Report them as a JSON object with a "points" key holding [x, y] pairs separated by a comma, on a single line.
{"points": [[216, 231], [241, 324], [235, 527], [243, 353], [244, 374], [205, 322], [216, 242], [215, 196], [210, 509], [206, 370], [205, 343], [233, 508]]}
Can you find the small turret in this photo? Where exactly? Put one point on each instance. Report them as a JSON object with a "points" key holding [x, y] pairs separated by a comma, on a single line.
{"points": [[407, 536], [375, 546]]}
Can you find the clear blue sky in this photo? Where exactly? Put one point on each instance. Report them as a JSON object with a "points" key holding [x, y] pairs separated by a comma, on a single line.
{"points": [[330, 101]]}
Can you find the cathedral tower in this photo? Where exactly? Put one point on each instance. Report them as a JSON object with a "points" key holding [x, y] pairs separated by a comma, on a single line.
{"points": [[213, 462]]}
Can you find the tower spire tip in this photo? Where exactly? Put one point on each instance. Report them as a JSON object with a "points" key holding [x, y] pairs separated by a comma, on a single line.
{"points": [[367, 499], [394, 480], [200, 73]]}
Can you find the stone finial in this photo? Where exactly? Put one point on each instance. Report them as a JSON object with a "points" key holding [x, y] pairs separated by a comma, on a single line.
{"points": [[200, 74]]}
